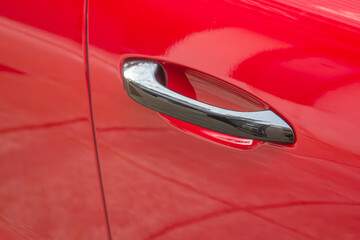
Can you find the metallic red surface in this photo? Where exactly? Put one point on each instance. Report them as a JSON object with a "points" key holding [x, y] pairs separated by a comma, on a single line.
{"points": [[299, 57], [49, 179]]}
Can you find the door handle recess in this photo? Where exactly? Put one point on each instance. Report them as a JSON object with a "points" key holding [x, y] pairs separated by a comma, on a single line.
{"points": [[142, 85]]}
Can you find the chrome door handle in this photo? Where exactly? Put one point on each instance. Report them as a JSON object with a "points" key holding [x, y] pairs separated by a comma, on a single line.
{"points": [[142, 86]]}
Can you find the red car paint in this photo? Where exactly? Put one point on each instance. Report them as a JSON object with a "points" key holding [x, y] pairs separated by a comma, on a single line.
{"points": [[163, 178], [49, 181], [299, 57]]}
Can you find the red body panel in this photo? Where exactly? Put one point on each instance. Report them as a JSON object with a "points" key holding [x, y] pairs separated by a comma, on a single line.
{"points": [[302, 58], [49, 179], [163, 178]]}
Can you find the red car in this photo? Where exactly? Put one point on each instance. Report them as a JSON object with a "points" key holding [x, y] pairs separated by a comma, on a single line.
{"points": [[154, 119]]}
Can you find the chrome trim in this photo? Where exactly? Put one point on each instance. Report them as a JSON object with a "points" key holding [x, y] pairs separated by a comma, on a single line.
{"points": [[143, 87]]}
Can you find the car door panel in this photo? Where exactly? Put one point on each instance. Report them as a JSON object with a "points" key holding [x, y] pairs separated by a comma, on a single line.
{"points": [[164, 180], [49, 180]]}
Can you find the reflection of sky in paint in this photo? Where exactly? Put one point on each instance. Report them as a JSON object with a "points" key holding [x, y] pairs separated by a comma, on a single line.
{"points": [[347, 11], [210, 47], [343, 13]]}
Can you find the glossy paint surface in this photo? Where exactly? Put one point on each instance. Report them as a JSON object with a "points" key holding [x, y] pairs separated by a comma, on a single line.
{"points": [[161, 182], [49, 180]]}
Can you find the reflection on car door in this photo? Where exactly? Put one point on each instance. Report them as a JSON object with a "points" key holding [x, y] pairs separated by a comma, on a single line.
{"points": [[166, 179]]}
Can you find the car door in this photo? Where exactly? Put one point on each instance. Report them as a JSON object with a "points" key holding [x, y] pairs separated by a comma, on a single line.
{"points": [[49, 181], [167, 178]]}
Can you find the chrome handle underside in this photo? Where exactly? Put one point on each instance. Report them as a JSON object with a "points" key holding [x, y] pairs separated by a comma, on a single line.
{"points": [[143, 87]]}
